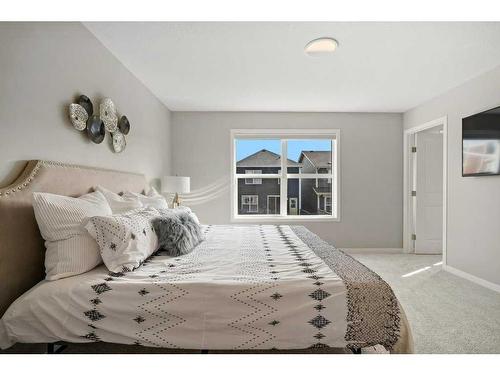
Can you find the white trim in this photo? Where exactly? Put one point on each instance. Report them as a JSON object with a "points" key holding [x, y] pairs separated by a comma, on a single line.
{"points": [[260, 176], [284, 179], [285, 134], [314, 176], [474, 279], [281, 219], [255, 172], [442, 121], [373, 250]]}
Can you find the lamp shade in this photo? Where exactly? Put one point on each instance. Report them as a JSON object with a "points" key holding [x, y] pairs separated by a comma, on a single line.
{"points": [[175, 184]]}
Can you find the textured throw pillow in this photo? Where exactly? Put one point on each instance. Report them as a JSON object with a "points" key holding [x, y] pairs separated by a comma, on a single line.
{"points": [[125, 240], [177, 232], [70, 249], [155, 201], [118, 203], [180, 209]]}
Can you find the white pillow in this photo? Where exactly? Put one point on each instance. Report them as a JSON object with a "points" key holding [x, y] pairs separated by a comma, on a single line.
{"points": [[153, 192], [118, 203], [125, 240], [150, 200], [70, 249]]}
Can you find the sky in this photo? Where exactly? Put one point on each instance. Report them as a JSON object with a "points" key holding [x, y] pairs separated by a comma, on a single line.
{"points": [[246, 147]]}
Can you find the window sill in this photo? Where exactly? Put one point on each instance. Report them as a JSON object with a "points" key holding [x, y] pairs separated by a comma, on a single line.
{"points": [[269, 219]]}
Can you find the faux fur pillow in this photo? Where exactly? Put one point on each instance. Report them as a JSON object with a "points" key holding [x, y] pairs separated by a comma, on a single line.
{"points": [[177, 232], [178, 210]]}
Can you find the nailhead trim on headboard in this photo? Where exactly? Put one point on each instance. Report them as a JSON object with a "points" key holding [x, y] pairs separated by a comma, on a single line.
{"points": [[12, 189]]}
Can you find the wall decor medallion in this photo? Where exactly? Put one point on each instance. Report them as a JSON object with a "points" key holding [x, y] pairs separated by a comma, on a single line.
{"points": [[95, 129], [119, 142], [86, 103], [79, 116], [83, 118], [124, 125], [108, 115]]}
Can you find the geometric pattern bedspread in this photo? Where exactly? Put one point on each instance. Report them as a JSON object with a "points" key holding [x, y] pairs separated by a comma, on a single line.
{"points": [[244, 287]]}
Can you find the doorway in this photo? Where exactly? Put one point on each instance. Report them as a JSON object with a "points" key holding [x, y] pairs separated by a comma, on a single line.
{"points": [[273, 204], [425, 188]]}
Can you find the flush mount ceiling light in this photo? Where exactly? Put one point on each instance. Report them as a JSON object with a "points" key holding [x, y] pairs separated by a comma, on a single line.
{"points": [[321, 46]]}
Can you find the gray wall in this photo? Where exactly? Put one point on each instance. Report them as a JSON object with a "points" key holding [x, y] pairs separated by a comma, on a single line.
{"points": [[43, 67], [473, 202], [371, 168]]}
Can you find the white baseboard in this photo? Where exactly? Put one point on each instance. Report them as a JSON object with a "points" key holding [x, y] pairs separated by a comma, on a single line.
{"points": [[474, 279], [372, 250]]}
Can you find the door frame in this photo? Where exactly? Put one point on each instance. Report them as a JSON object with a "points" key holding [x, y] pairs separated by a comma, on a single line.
{"points": [[407, 183]]}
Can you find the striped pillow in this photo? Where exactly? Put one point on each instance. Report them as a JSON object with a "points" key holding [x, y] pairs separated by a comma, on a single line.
{"points": [[70, 249]]}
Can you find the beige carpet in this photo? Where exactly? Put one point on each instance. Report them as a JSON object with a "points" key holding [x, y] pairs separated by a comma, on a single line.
{"points": [[447, 314]]}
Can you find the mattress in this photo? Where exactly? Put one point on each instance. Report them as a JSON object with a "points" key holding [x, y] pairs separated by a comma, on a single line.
{"points": [[244, 287]]}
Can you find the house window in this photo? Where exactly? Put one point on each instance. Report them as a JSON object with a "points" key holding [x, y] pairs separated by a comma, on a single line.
{"points": [[294, 173], [253, 181], [250, 203]]}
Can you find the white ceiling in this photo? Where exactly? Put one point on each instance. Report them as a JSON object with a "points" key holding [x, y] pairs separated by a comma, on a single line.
{"points": [[378, 67]]}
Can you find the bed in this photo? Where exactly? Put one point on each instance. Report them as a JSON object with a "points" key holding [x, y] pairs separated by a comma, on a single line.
{"points": [[257, 288]]}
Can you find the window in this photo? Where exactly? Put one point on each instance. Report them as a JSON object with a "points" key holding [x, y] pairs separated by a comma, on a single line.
{"points": [[292, 173], [250, 203], [253, 181]]}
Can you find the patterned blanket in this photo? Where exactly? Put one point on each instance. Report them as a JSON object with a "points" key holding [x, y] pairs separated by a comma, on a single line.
{"points": [[244, 287]]}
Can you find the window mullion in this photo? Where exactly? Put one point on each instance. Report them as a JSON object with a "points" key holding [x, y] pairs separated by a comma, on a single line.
{"points": [[284, 184]]}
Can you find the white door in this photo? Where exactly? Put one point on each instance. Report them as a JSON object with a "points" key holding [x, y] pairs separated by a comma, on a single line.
{"points": [[292, 206], [428, 202]]}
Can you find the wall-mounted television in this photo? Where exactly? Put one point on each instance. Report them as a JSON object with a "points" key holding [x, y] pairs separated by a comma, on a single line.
{"points": [[481, 144]]}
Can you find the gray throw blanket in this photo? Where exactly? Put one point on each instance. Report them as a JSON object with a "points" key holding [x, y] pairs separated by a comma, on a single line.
{"points": [[373, 315]]}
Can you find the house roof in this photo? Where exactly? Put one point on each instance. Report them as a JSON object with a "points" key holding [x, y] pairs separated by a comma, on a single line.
{"points": [[264, 158], [320, 159]]}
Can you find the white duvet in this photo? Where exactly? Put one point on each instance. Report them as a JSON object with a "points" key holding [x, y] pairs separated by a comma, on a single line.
{"points": [[244, 287]]}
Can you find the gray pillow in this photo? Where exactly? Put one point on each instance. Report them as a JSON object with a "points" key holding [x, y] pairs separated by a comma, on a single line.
{"points": [[178, 210], [177, 232]]}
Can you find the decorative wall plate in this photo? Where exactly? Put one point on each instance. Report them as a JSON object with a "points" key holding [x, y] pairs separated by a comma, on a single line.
{"points": [[78, 116], [108, 115], [95, 129], [85, 102], [124, 125], [119, 142]]}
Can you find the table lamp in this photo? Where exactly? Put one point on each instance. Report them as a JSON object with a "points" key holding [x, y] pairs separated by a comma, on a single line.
{"points": [[175, 184]]}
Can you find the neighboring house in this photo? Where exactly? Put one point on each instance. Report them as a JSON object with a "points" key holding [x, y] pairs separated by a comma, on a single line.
{"points": [[316, 194], [262, 195]]}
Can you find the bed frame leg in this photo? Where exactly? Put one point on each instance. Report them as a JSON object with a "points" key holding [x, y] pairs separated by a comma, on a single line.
{"points": [[55, 348], [356, 351]]}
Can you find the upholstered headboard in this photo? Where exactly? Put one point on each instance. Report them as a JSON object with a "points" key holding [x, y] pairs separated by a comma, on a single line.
{"points": [[21, 245]]}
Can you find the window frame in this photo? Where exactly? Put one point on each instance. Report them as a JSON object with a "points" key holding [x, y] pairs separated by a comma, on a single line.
{"points": [[284, 135]]}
